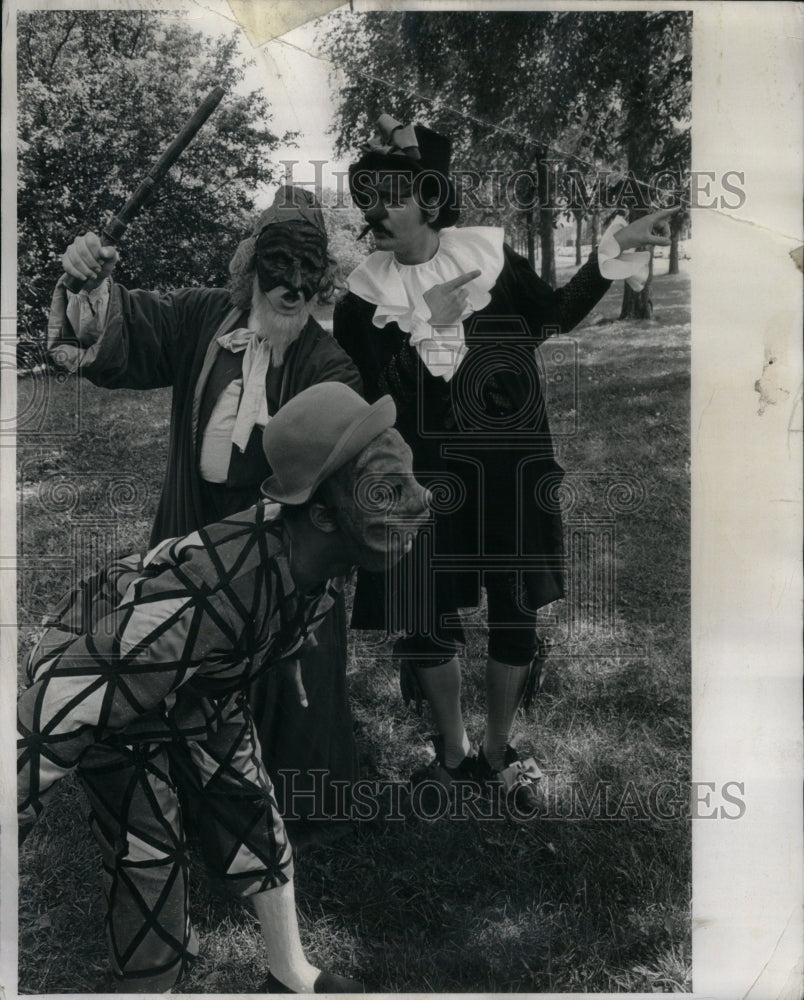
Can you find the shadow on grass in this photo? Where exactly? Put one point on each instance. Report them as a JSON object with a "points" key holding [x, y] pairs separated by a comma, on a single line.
{"points": [[565, 904]]}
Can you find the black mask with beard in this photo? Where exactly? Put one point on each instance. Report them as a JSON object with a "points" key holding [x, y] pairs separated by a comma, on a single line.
{"points": [[293, 255]]}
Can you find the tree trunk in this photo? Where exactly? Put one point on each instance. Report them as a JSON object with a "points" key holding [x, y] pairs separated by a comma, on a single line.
{"points": [[595, 227], [547, 239], [676, 225], [531, 238], [547, 242], [673, 268], [578, 237], [638, 305]]}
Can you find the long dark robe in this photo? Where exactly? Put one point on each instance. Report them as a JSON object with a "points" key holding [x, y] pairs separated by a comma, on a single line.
{"points": [[153, 340]]}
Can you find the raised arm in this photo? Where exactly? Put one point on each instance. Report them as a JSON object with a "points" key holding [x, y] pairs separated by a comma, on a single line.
{"points": [[549, 311], [118, 338]]}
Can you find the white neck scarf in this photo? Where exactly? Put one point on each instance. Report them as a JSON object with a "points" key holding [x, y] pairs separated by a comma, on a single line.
{"points": [[253, 408], [261, 351]]}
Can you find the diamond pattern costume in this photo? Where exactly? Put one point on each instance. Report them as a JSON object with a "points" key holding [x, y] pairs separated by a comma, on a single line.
{"points": [[141, 683]]}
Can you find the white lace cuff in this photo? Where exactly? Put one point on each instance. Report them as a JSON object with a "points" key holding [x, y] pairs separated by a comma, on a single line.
{"points": [[86, 312], [614, 263], [441, 348]]}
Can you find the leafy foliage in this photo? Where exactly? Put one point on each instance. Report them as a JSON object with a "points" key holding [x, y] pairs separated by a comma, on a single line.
{"points": [[101, 94], [533, 91], [344, 222]]}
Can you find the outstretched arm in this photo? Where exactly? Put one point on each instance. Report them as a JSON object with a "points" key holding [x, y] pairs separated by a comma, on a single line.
{"points": [[558, 311]]}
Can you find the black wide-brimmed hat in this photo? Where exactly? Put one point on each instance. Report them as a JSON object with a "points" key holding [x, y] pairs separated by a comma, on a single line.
{"points": [[414, 150]]}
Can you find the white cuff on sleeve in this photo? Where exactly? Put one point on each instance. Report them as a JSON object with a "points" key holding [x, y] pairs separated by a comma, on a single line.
{"points": [[614, 263], [86, 312]]}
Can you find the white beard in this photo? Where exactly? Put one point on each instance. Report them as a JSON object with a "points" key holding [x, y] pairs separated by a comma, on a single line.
{"points": [[278, 330]]}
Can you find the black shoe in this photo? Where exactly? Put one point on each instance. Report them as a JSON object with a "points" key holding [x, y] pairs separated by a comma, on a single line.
{"points": [[520, 779], [436, 772], [326, 982]]}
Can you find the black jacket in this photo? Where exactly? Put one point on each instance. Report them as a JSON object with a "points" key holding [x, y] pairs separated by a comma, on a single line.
{"points": [[481, 440]]}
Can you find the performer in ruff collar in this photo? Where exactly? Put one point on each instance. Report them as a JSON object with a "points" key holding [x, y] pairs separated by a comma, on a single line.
{"points": [[139, 683], [234, 356], [446, 320]]}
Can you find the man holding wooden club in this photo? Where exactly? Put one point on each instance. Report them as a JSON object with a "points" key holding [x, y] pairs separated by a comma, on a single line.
{"points": [[233, 356]]}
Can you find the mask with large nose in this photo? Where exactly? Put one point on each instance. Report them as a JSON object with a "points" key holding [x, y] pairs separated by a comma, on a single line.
{"points": [[380, 503], [292, 255]]}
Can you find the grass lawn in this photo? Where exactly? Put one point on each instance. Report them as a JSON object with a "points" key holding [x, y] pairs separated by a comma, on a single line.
{"points": [[572, 902]]}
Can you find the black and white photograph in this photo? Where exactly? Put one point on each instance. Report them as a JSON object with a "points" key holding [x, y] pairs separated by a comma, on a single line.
{"points": [[401, 448]]}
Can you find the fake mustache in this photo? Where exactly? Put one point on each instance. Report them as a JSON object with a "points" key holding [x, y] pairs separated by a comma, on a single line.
{"points": [[368, 228]]}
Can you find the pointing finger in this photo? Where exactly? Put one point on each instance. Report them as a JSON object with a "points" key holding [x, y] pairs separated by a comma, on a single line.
{"points": [[462, 279]]}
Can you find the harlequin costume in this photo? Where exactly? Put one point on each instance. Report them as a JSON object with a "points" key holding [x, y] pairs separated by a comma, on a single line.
{"points": [[197, 341], [141, 681]]}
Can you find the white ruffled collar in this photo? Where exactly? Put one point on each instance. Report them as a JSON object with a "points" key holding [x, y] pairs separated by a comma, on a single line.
{"points": [[398, 289]]}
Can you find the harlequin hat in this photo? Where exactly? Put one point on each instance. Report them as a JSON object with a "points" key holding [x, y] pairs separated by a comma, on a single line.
{"points": [[317, 432], [411, 149]]}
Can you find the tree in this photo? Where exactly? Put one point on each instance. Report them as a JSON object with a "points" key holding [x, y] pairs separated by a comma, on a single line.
{"points": [[535, 93], [677, 223], [344, 222], [655, 93], [504, 86], [100, 95]]}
